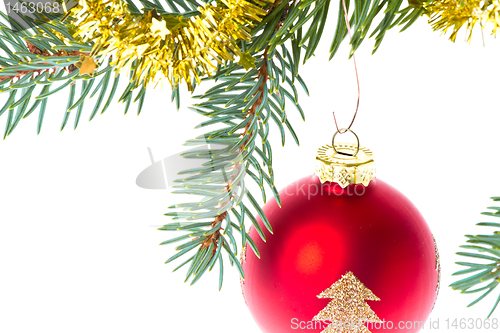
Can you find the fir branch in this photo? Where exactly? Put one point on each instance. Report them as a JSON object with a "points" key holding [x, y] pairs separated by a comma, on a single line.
{"points": [[217, 235], [305, 21], [36, 64], [242, 103], [484, 276], [262, 78], [364, 13]]}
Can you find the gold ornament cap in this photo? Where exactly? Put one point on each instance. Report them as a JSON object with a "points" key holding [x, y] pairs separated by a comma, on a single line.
{"points": [[345, 163]]}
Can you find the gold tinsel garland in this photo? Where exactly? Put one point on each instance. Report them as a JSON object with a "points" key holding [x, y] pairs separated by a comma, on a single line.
{"points": [[454, 14], [170, 45], [178, 48]]}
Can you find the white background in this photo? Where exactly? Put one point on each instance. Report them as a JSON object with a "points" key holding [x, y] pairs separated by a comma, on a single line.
{"points": [[78, 241]]}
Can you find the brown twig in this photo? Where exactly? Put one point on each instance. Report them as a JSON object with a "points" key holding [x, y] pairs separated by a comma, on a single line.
{"points": [[35, 50], [214, 237]]}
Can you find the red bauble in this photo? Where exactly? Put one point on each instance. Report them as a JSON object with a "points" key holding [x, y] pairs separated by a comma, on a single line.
{"points": [[323, 231]]}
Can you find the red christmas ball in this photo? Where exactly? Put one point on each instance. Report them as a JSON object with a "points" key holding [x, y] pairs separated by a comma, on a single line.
{"points": [[323, 231]]}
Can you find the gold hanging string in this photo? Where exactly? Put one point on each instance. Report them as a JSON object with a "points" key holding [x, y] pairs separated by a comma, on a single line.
{"points": [[342, 131]]}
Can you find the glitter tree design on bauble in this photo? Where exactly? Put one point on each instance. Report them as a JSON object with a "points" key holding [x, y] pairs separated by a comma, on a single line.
{"points": [[348, 310]]}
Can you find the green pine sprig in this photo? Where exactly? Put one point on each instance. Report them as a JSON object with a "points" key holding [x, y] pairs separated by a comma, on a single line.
{"points": [[241, 107], [484, 274]]}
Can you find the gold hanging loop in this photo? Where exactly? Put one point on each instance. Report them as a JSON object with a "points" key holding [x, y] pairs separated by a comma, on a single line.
{"points": [[341, 132]]}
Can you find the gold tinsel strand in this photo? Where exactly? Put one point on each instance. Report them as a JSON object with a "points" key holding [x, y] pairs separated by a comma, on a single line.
{"points": [[454, 14], [167, 46]]}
